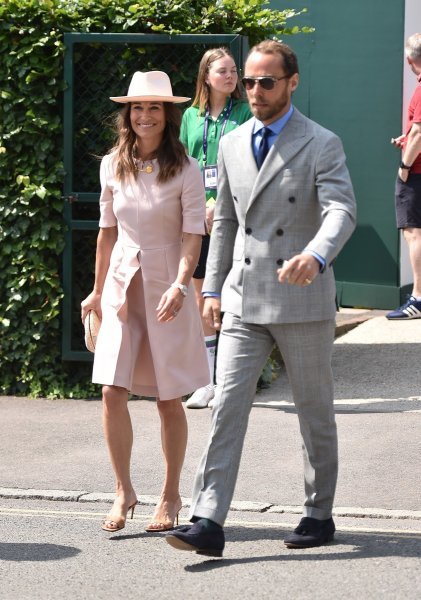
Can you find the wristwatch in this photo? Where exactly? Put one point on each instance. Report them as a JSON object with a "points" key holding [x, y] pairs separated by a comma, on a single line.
{"points": [[180, 286], [402, 165]]}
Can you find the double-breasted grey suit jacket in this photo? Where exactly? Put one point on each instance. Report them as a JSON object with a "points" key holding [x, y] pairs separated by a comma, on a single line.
{"points": [[301, 199]]}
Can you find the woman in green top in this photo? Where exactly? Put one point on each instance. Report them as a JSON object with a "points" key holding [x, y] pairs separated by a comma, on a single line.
{"points": [[217, 108]]}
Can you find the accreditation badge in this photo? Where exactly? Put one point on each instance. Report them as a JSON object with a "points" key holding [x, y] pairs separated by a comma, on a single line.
{"points": [[210, 176]]}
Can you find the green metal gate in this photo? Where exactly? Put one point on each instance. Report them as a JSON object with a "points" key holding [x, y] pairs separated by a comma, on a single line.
{"points": [[97, 66]]}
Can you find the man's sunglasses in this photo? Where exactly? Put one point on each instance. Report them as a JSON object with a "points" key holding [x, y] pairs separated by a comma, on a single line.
{"points": [[267, 83]]}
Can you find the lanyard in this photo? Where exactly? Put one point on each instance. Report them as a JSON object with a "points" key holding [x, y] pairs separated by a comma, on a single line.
{"points": [[227, 111]]}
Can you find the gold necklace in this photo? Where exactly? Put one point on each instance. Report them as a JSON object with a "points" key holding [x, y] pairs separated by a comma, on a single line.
{"points": [[144, 166]]}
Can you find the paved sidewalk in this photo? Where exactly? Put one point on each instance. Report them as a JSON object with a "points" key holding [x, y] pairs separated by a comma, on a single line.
{"points": [[349, 318], [55, 449]]}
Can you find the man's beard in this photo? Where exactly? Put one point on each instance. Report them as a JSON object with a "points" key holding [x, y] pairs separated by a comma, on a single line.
{"points": [[268, 112]]}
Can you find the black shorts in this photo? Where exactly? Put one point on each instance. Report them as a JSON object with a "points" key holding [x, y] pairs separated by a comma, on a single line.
{"points": [[408, 201], [201, 265]]}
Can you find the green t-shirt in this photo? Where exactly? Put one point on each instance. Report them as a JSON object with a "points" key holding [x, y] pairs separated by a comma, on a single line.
{"points": [[192, 127]]}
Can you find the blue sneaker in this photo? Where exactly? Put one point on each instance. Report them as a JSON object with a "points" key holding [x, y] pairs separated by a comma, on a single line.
{"points": [[410, 310]]}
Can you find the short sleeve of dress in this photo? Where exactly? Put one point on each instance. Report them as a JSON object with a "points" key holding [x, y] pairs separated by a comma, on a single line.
{"points": [[193, 199], [107, 216]]}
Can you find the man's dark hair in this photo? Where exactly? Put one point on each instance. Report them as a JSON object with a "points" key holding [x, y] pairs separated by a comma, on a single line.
{"points": [[290, 62]]}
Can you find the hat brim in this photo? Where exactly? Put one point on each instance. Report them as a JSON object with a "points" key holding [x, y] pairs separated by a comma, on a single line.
{"points": [[126, 99]]}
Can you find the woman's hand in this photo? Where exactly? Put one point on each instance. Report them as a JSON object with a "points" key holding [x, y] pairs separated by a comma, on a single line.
{"points": [[170, 304], [172, 300], [91, 302]]}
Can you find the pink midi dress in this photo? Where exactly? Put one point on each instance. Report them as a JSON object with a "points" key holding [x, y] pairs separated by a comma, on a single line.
{"points": [[134, 350]]}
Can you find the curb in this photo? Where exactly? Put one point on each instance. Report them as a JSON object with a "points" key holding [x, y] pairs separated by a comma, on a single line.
{"points": [[346, 325], [239, 506], [347, 319]]}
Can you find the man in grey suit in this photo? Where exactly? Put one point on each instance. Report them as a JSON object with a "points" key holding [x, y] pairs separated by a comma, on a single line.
{"points": [[284, 210]]}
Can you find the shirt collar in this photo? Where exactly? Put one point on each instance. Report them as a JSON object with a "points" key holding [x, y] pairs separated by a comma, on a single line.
{"points": [[224, 110], [277, 126]]}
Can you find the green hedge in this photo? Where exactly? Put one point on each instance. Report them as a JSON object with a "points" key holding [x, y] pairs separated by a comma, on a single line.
{"points": [[31, 169]]}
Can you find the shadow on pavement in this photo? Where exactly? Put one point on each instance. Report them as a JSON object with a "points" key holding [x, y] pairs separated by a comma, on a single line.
{"points": [[347, 545], [35, 552], [133, 536]]}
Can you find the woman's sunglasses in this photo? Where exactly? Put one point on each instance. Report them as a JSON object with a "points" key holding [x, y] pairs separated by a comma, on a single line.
{"points": [[267, 83]]}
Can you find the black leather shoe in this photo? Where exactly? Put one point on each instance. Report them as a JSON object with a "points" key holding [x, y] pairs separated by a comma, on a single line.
{"points": [[311, 532], [196, 538]]}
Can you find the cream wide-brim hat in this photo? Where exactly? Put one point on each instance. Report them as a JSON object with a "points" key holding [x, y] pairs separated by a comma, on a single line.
{"points": [[149, 87]]}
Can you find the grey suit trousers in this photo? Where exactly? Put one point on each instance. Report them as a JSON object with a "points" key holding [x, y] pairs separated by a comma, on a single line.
{"points": [[242, 352]]}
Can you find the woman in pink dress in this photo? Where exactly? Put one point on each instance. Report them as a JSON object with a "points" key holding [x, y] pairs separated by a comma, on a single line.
{"points": [[151, 340]]}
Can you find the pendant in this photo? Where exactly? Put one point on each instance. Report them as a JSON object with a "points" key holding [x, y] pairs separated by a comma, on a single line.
{"points": [[144, 168]]}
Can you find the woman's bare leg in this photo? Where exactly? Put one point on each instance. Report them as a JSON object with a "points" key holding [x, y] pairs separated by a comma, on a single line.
{"points": [[119, 436], [174, 442]]}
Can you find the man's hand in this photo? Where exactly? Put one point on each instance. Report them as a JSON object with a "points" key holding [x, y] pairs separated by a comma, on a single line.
{"points": [[210, 210], [299, 270], [398, 142], [212, 312], [412, 149]]}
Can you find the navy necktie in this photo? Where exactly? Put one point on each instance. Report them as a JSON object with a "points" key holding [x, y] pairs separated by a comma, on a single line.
{"points": [[264, 147]]}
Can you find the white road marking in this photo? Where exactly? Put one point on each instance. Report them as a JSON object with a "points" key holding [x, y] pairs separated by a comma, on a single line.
{"points": [[94, 516]]}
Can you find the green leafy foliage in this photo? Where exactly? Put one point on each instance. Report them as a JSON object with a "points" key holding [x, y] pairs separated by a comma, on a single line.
{"points": [[32, 230]]}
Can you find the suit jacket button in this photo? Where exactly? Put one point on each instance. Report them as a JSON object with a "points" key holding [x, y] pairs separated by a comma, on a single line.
{"points": [[279, 232], [247, 261], [280, 262], [291, 199], [248, 230]]}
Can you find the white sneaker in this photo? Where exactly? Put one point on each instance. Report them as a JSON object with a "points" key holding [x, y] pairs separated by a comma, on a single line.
{"points": [[201, 397], [212, 402]]}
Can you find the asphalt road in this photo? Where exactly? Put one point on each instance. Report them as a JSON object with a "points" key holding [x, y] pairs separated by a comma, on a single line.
{"points": [[53, 450], [58, 551]]}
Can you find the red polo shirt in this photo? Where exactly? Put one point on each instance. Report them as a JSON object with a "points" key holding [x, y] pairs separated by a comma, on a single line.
{"points": [[414, 116]]}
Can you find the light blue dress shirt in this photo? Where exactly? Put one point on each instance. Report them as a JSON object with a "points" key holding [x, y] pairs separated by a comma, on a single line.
{"points": [[275, 129]]}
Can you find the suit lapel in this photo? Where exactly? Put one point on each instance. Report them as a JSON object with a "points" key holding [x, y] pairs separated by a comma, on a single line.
{"points": [[240, 145], [290, 141]]}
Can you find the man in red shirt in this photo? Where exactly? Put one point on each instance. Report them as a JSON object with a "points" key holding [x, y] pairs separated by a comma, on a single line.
{"points": [[408, 185]]}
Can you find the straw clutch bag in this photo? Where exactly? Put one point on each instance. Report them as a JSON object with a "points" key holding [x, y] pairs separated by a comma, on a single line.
{"points": [[92, 324]]}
